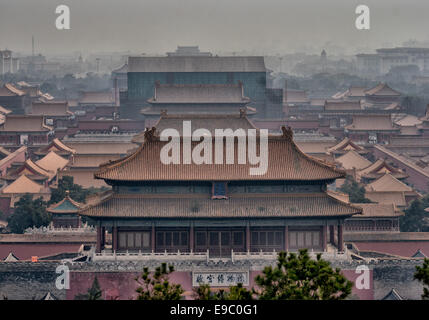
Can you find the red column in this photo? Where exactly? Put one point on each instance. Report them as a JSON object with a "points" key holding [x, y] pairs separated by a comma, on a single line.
{"points": [[248, 236], [286, 235], [191, 238], [324, 237], [115, 238], [153, 237], [98, 245], [103, 237], [340, 238], [331, 235]]}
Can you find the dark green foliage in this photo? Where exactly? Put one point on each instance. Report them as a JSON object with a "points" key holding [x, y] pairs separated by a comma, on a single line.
{"points": [[155, 286], [355, 191], [416, 219], [298, 277], [66, 183], [415, 105], [422, 274], [238, 292], [28, 213], [94, 293]]}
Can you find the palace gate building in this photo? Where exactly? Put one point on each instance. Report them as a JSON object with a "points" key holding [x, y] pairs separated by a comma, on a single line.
{"points": [[154, 207]]}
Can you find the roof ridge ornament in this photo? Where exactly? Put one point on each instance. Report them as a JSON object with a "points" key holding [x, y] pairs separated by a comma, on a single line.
{"points": [[149, 134], [287, 133], [242, 112]]}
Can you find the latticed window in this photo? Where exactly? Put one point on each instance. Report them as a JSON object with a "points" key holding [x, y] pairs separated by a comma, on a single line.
{"points": [[219, 190]]}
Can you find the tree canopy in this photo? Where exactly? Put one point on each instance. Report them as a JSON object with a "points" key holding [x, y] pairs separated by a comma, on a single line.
{"points": [[28, 213], [66, 183], [422, 275], [155, 285], [416, 219], [298, 277], [355, 191], [94, 293]]}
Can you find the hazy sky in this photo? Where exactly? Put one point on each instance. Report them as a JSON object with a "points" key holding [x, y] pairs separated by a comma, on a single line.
{"points": [[257, 26]]}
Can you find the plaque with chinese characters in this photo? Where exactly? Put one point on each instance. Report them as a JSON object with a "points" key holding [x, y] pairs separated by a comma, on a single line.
{"points": [[220, 278]]}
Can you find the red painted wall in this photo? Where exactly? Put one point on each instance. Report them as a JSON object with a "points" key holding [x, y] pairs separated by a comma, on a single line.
{"points": [[24, 251], [122, 285]]}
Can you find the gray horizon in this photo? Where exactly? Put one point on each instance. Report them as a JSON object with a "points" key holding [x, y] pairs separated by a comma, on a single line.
{"points": [[267, 27]]}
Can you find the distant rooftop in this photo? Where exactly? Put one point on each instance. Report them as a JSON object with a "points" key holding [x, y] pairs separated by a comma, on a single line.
{"points": [[188, 51], [196, 64]]}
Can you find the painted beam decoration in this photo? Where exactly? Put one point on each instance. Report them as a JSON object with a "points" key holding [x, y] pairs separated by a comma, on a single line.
{"points": [[220, 279]]}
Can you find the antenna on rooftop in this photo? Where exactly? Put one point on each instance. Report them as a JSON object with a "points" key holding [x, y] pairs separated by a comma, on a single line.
{"points": [[32, 48]]}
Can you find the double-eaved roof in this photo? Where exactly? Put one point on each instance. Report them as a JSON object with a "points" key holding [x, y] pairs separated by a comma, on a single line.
{"points": [[236, 206], [285, 162]]}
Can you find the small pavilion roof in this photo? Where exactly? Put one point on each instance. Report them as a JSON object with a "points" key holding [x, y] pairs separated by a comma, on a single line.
{"points": [[9, 90], [4, 111], [380, 168], [341, 105], [387, 182], [24, 123], [387, 197], [345, 145], [49, 296], [353, 160], [4, 152], [52, 162], [374, 122], [30, 169], [104, 97], [51, 108], [419, 254], [11, 258], [393, 295], [57, 146], [378, 210], [65, 206], [23, 185], [382, 89]]}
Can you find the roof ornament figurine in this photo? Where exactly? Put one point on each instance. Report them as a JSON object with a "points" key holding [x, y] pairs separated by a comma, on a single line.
{"points": [[163, 112], [287, 133], [149, 134], [242, 112]]}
